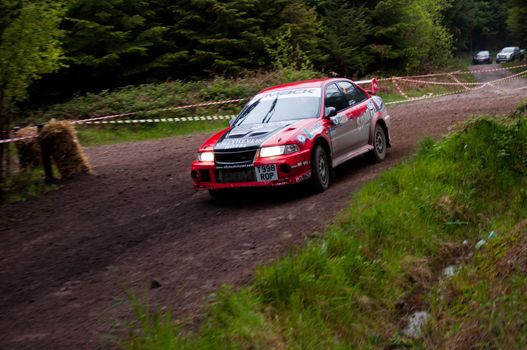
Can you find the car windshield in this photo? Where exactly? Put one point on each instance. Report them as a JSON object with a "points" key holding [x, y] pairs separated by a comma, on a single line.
{"points": [[282, 105], [483, 53], [508, 49]]}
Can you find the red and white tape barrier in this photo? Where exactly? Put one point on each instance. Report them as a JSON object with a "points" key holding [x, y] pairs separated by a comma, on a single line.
{"points": [[455, 73], [162, 120], [16, 139], [399, 90], [204, 104], [454, 78]]}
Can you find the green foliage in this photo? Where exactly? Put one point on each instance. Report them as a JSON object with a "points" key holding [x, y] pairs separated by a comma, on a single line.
{"points": [[23, 186], [30, 47], [477, 24], [517, 21], [346, 31], [103, 135], [284, 55], [154, 96], [485, 303], [112, 43], [381, 260], [410, 35]]}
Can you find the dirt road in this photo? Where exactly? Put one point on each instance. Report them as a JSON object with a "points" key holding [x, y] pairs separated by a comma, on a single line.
{"points": [[67, 259]]}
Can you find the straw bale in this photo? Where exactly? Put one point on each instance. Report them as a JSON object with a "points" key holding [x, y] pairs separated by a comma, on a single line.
{"points": [[66, 151], [28, 150]]}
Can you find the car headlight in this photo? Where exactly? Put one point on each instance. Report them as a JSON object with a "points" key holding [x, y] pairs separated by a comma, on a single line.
{"points": [[278, 150], [206, 157]]}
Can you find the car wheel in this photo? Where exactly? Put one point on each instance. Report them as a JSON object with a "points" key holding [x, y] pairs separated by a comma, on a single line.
{"points": [[378, 153], [320, 171]]}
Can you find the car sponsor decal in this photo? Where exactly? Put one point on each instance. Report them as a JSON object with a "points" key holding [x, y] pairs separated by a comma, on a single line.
{"points": [[242, 137], [311, 92], [303, 177], [301, 138], [315, 129], [339, 119], [299, 164]]}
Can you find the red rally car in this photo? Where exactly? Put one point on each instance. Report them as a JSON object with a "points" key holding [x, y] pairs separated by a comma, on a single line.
{"points": [[292, 133]]}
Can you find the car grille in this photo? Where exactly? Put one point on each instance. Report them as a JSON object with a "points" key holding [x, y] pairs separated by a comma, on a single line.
{"points": [[234, 159], [235, 175]]}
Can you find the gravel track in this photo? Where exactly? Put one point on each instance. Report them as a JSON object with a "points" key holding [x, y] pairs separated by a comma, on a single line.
{"points": [[69, 258]]}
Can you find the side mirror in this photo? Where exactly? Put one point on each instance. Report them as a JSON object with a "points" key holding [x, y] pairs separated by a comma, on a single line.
{"points": [[374, 87], [330, 112]]}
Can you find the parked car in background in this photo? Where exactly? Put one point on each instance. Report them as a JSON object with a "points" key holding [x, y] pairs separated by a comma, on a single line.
{"points": [[522, 54], [508, 54], [293, 133], [482, 57]]}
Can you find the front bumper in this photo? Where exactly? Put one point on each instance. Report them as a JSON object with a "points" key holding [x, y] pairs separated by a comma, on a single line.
{"points": [[291, 169], [480, 60]]}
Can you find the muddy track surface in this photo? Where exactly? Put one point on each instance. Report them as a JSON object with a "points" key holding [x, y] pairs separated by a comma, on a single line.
{"points": [[68, 259]]}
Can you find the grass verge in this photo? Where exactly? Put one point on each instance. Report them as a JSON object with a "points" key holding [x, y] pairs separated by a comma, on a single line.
{"points": [[513, 64], [382, 260], [92, 136], [24, 185]]}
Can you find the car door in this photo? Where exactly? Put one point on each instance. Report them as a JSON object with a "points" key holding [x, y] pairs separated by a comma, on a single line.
{"points": [[359, 113], [341, 129]]}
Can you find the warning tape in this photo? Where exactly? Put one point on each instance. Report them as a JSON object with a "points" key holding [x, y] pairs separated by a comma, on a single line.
{"points": [[438, 82], [414, 99], [16, 139], [162, 120], [465, 85], [455, 73], [454, 78], [204, 104], [401, 92]]}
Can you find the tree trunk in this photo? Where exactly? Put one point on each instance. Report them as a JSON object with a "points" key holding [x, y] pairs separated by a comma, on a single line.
{"points": [[4, 126]]}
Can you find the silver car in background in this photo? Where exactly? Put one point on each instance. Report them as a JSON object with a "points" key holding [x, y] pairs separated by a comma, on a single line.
{"points": [[508, 54]]}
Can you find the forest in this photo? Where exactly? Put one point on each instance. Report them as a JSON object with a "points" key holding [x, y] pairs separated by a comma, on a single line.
{"points": [[52, 50]]}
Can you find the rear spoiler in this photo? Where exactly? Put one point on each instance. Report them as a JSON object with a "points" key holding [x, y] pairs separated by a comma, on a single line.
{"points": [[374, 86]]}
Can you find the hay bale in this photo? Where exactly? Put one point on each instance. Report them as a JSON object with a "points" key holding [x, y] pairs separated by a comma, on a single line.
{"points": [[67, 153], [28, 150]]}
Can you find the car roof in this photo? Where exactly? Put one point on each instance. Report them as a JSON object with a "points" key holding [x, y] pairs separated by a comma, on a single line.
{"points": [[314, 83]]}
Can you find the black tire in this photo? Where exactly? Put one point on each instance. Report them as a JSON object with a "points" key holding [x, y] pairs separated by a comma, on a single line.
{"points": [[378, 153], [320, 170]]}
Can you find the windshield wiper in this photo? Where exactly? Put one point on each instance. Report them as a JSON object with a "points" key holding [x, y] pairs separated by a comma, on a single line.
{"points": [[270, 113], [246, 112]]}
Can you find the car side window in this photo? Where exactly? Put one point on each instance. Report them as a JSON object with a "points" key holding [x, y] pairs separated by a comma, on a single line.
{"points": [[335, 98], [353, 94]]}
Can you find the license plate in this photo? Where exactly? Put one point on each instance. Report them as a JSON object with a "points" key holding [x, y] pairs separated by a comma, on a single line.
{"points": [[266, 173]]}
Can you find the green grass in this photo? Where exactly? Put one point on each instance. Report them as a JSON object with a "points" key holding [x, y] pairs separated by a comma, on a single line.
{"points": [[515, 63], [24, 185], [91, 136], [382, 259]]}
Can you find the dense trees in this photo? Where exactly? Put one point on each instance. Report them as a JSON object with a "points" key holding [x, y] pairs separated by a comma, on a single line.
{"points": [[517, 20], [30, 47], [111, 43]]}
